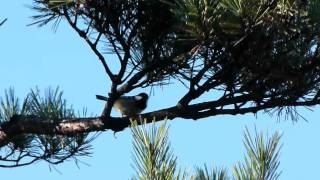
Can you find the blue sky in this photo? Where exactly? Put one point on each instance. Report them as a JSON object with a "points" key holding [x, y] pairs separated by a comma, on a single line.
{"points": [[39, 57]]}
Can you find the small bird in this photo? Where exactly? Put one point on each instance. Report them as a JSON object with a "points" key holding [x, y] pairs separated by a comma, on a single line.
{"points": [[129, 105]]}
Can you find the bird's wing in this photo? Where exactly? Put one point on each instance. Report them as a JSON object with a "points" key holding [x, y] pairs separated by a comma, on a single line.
{"points": [[125, 105]]}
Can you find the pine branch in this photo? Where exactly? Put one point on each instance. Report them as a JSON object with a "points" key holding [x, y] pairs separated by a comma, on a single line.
{"points": [[262, 158], [20, 124]]}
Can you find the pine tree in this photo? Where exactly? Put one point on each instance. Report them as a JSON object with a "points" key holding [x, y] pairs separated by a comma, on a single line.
{"points": [[246, 55]]}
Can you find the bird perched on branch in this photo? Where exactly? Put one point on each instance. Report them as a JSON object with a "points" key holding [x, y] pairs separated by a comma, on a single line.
{"points": [[129, 105]]}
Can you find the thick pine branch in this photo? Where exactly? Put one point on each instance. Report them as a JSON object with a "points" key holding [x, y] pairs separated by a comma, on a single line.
{"points": [[33, 125]]}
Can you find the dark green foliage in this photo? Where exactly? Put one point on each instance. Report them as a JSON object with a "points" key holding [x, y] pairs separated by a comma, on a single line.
{"points": [[27, 148], [10, 106], [267, 49], [52, 106]]}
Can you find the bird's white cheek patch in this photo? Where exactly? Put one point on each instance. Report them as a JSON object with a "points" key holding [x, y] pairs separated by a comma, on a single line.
{"points": [[138, 98]]}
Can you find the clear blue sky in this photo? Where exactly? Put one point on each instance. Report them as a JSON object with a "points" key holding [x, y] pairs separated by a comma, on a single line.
{"points": [[32, 56]]}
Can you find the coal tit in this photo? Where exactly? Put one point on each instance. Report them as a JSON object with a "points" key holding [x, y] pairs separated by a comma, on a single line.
{"points": [[129, 105]]}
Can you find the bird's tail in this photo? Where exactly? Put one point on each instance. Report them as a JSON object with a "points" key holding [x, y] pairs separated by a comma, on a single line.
{"points": [[103, 98]]}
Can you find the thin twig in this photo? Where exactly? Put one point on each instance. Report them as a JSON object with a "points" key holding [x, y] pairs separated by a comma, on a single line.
{"points": [[92, 45], [2, 22]]}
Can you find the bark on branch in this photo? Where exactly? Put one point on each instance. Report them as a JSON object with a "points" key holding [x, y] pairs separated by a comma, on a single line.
{"points": [[35, 125]]}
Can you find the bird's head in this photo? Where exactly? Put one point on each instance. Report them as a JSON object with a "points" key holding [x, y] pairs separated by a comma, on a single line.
{"points": [[142, 96]]}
